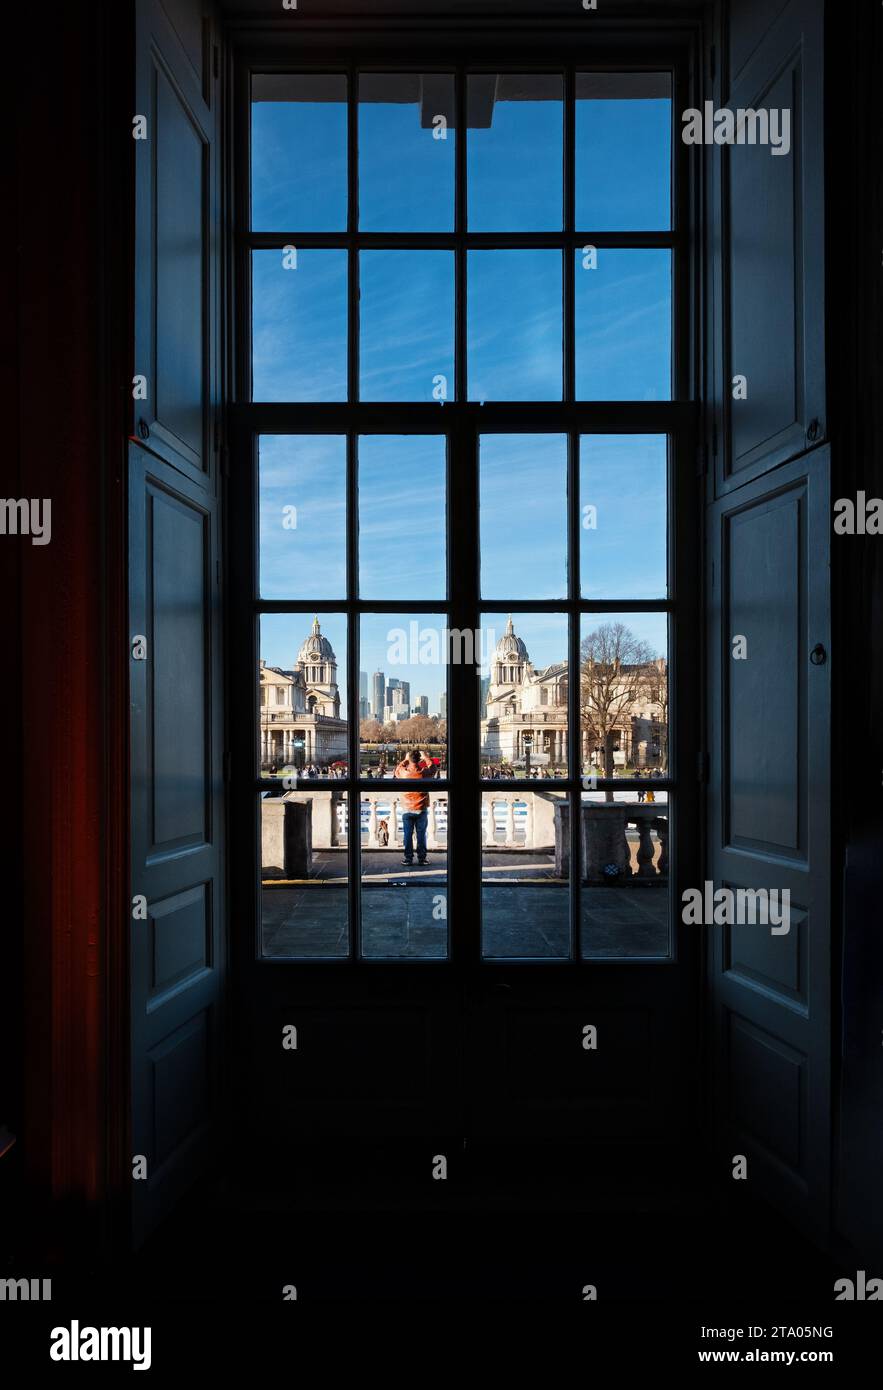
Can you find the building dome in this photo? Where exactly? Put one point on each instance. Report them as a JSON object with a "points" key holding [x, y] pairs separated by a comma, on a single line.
{"points": [[510, 648], [316, 647]]}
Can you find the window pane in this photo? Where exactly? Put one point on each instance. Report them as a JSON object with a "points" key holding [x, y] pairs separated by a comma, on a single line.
{"points": [[302, 701], [623, 151], [406, 152], [624, 695], [299, 318], [402, 513], [404, 661], [523, 701], [404, 904], [407, 325], [302, 481], [523, 515], [514, 325], [623, 515], [298, 153], [623, 324], [304, 910], [515, 152], [525, 877], [624, 899]]}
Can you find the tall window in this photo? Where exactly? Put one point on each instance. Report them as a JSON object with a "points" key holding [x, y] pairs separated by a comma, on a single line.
{"points": [[464, 436]]}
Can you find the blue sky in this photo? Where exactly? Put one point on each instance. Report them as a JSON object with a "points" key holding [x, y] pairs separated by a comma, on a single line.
{"points": [[514, 182], [523, 516], [514, 334], [406, 176]]}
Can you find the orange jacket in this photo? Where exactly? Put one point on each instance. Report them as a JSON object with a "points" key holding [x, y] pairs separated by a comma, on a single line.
{"points": [[414, 801]]}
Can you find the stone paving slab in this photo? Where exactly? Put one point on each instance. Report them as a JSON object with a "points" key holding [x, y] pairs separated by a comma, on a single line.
{"points": [[518, 920]]}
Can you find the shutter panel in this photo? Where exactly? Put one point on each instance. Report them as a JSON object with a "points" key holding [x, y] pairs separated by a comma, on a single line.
{"points": [[178, 948], [769, 828], [769, 273], [768, 531]]}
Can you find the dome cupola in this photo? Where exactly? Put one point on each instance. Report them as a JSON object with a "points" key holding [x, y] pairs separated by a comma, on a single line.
{"points": [[316, 648]]}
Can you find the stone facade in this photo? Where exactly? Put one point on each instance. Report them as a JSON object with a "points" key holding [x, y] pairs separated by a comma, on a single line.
{"points": [[527, 703], [300, 719]]}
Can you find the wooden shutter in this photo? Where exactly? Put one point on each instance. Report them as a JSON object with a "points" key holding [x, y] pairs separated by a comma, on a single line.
{"points": [[768, 527], [178, 950]]}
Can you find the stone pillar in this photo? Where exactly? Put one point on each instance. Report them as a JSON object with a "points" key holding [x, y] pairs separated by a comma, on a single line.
{"points": [[489, 837], [604, 843], [286, 839], [394, 838], [528, 822], [562, 838], [510, 821], [432, 825], [645, 848], [661, 826], [372, 821]]}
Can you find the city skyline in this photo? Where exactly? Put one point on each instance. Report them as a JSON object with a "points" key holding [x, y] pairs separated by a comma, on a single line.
{"points": [[544, 635]]}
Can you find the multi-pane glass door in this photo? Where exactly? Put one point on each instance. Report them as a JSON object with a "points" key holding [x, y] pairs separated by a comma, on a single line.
{"points": [[464, 445]]}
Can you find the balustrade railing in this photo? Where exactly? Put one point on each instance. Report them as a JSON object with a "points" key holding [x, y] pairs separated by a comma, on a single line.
{"points": [[619, 842]]}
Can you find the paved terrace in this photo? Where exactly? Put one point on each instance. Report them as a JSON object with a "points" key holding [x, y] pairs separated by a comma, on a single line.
{"points": [[524, 910]]}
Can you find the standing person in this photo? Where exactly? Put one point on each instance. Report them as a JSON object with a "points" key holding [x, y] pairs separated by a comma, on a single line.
{"points": [[416, 805]]}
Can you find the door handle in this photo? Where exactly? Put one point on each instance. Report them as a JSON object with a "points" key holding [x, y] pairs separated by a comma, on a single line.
{"points": [[818, 656]]}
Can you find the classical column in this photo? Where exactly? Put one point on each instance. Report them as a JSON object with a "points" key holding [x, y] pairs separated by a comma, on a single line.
{"points": [[372, 820], [394, 823], [510, 821]]}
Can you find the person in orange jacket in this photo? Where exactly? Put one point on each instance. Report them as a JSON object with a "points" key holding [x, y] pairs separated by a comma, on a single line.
{"points": [[416, 805]]}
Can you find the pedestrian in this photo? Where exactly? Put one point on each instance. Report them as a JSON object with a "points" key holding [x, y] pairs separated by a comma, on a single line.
{"points": [[416, 805]]}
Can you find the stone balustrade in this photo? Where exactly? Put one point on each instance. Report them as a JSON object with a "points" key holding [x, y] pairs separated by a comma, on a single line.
{"points": [[511, 820], [606, 850]]}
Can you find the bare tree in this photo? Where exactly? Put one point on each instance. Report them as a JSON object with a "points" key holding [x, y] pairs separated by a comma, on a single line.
{"points": [[370, 731], [420, 728], [613, 678]]}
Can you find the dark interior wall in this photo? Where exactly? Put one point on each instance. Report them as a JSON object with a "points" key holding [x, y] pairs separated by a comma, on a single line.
{"points": [[854, 54], [65, 657]]}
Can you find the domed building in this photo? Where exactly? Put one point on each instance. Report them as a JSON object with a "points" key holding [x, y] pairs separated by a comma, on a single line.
{"points": [[526, 707], [300, 708], [317, 664], [524, 703]]}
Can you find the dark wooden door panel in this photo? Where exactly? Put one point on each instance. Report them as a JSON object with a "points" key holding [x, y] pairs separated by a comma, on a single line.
{"points": [[764, 568], [769, 829], [178, 944], [770, 270], [176, 272]]}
